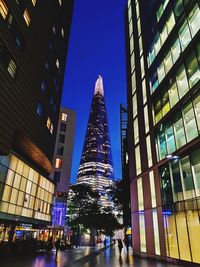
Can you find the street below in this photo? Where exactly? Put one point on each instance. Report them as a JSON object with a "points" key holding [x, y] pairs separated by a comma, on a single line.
{"points": [[82, 257]]}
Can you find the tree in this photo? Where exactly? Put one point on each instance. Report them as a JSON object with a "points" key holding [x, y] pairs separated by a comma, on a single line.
{"points": [[84, 210], [120, 195]]}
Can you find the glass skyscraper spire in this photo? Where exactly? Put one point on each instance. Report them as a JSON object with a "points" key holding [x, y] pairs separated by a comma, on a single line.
{"points": [[96, 167]]}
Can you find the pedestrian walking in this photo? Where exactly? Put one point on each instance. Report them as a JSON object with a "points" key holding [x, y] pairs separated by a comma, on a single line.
{"points": [[120, 246], [127, 243], [57, 245]]}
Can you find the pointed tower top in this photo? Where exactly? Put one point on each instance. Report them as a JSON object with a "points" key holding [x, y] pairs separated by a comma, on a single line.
{"points": [[99, 86]]}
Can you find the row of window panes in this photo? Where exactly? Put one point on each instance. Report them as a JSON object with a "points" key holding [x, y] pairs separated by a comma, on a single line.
{"points": [[186, 77], [184, 128], [172, 55], [188, 29], [21, 211], [161, 9], [160, 38]]}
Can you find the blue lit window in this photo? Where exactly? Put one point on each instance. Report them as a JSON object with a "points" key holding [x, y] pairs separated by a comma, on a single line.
{"points": [[43, 86], [40, 110]]}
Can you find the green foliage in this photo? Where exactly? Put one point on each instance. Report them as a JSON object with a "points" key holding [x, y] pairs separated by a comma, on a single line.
{"points": [[84, 209]]}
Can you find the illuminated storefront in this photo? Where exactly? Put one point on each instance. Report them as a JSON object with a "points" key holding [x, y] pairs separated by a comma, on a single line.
{"points": [[24, 192]]}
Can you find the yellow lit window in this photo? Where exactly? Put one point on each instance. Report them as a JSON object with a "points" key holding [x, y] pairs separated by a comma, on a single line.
{"points": [[34, 2], [27, 17], [58, 163], [64, 116], [3, 9]]}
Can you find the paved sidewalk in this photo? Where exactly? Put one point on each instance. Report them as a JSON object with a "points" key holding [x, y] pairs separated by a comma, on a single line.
{"points": [[64, 258]]}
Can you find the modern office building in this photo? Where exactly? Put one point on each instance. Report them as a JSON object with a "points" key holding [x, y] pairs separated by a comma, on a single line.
{"points": [[33, 46], [96, 168], [62, 163], [163, 76]]}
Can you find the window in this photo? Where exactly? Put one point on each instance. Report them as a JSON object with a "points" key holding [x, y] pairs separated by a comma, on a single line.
{"points": [[153, 191], [57, 176], [27, 17], [140, 194], [40, 110], [194, 19], [171, 146], [136, 131], [57, 63], [179, 132], [34, 2], [142, 232], [178, 7], [195, 161], [133, 81], [192, 69], [170, 22], [134, 105], [60, 2], [140, 45], [162, 145], [159, 12], [175, 49], [156, 232], [146, 119], [173, 95], [12, 68], [197, 110], [60, 150], [164, 34], [149, 153], [139, 27], [61, 138], [62, 32], [131, 44], [132, 62], [3, 9], [142, 66], [158, 111], [161, 72], [43, 86], [144, 92], [129, 13], [63, 116], [184, 34], [137, 10], [168, 62], [165, 104], [190, 122], [49, 125], [182, 81], [58, 163], [157, 44], [137, 160], [63, 127], [188, 184], [130, 27]]}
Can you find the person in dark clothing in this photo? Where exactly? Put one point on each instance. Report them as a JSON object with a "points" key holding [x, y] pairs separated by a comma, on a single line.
{"points": [[57, 245], [120, 246], [49, 245]]}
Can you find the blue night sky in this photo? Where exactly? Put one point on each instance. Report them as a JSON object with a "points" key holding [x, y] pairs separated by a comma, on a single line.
{"points": [[96, 46]]}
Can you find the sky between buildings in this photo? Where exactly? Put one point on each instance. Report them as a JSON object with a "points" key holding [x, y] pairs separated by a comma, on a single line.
{"points": [[96, 46]]}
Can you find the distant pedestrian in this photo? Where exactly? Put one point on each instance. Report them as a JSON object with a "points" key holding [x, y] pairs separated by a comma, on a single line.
{"points": [[120, 246], [127, 243], [57, 245]]}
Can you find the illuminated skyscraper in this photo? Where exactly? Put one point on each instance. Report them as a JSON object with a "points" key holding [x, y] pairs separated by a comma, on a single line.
{"points": [[96, 168]]}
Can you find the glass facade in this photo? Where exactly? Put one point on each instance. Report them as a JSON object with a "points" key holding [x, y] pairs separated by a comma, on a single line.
{"points": [[180, 196], [23, 191]]}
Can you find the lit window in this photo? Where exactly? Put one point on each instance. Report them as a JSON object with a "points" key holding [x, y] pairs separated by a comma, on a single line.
{"points": [[168, 62], [161, 72], [135, 111], [130, 27], [62, 32], [156, 232], [58, 163], [34, 2], [171, 22], [184, 34], [146, 119], [164, 34], [60, 2], [64, 116], [173, 95], [197, 110], [190, 122], [57, 63], [149, 153], [176, 50], [182, 82], [137, 160], [3, 9], [27, 17], [49, 125], [12, 68], [40, 110], [140, 194], [194, 19], [129, 13], [153, 191], [192, 69], [136, 131]]}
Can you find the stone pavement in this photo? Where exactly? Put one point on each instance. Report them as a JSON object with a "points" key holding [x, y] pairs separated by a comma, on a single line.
{"points": [[82, 257]]}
